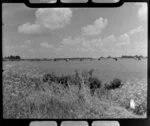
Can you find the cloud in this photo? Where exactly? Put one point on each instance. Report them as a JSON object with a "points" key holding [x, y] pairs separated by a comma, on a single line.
{"points": [[28, 28], [80, 43], [109, 39], [47, 18], [136, 30], [109, 45], [26, 44], [95, 28], [46, 45], [141, 47], [123, 40], [84, 44], [9, 50], [72, 41], [23, 46], [9, 47], [53, 18], [31, 50], [142, 12]]}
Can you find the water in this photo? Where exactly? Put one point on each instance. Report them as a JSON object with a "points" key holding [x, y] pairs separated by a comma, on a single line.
{"points": [[125, 69]]}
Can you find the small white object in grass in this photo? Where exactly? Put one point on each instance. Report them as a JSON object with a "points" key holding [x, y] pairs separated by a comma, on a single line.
{"points": [[14, 94], [8, 66], [132, 104]]}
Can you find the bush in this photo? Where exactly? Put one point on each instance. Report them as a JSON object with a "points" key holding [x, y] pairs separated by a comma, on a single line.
{"points": [[64, 80], [116, 83], [94, 83], [140, 109], [49, 77], [57, 79]]}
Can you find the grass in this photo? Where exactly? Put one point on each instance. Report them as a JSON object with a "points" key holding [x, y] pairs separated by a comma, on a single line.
{"points": [[30, 94]]}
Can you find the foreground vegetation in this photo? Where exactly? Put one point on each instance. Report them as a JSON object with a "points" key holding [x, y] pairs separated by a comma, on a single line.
{"points": [[30, 94]]}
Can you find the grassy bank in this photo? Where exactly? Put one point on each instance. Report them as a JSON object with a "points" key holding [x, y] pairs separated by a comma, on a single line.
{"points": [[29, 94]]}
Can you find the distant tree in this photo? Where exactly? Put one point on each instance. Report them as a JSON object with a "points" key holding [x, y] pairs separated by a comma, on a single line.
{"points": [[17, 57], [109, 57], [11, 57], [101, 58], [127, 56]]}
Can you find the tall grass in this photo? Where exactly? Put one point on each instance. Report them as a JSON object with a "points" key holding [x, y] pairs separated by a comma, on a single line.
{"points": [[29, 94]]}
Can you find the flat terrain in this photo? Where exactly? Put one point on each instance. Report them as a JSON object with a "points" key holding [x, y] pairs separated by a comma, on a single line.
{"points": [[75, 89]]}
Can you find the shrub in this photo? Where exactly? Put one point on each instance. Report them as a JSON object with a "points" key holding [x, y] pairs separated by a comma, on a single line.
{"points": [[49, 77], [64, 80], [140, 109], [116, 83], [94, 83]]}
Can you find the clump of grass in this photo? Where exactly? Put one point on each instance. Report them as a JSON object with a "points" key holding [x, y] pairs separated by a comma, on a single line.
{"points": [[140, 109], [116, 83], [49, 77]]}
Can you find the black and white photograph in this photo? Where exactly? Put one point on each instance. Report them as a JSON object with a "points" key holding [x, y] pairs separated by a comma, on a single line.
{"points": [[74, 63]]}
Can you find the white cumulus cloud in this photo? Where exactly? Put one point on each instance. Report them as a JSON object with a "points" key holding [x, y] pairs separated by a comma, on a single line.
{"points": [[136, 30], [28, 28], [46, 45], [123, 40], [96, 27], [81, 43], [142, 12], [47, 18], [53, 18]]}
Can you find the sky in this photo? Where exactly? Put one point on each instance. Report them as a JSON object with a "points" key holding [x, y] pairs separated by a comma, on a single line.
{"points": [[74, 32]]}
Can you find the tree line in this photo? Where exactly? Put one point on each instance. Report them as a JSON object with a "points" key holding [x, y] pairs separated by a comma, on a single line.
{"points": [[11, 57]]}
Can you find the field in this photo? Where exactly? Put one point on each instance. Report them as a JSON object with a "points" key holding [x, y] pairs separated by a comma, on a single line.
{"points": [[74, 90]]}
